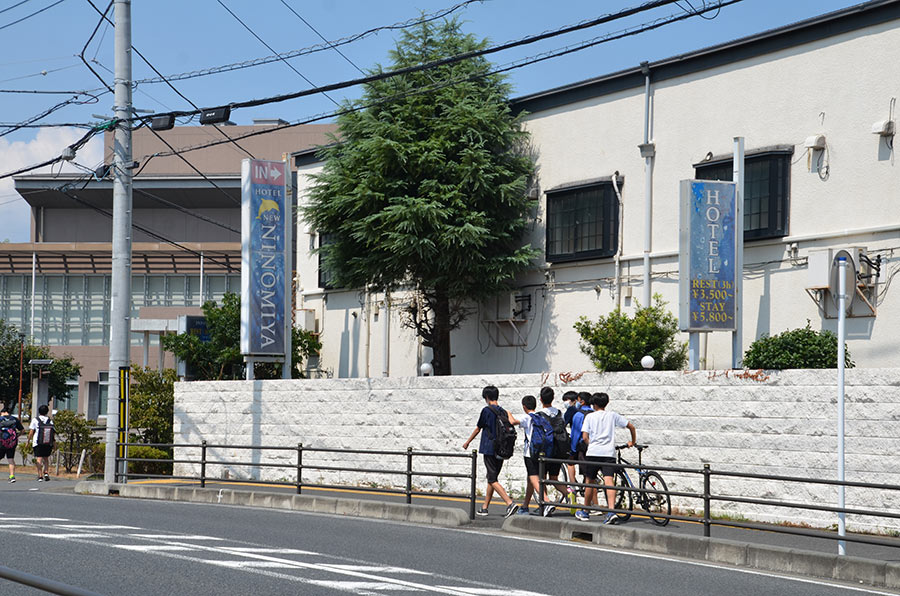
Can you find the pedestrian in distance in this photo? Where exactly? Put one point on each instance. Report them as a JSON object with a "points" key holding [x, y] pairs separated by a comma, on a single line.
{"points": [[42, 436], [10, 427], [538, 439], [560, 443], [494, 447], [598, 432], [570, 399], [577, 447]]}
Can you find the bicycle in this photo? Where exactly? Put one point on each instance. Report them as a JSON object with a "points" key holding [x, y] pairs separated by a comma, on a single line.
{"points": [[657, 501]]}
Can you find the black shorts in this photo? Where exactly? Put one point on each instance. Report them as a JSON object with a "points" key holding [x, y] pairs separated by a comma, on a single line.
{"points": [[595, 464], [552, 468], [532, 467], [7, 453], [42, 450], [493, 465]]}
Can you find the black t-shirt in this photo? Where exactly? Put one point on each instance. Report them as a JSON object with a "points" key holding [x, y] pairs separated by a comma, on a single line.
{"points": [[487, 422]]}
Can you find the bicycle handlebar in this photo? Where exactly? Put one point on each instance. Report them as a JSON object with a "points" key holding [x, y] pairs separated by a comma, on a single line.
{"points": [[636, 446]]}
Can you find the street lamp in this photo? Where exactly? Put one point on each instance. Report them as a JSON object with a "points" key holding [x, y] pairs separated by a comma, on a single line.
{"points": [[21, 358], [40, 362], [648, 362]]}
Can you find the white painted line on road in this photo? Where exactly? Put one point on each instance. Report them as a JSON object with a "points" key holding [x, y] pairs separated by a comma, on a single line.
{"points": [[492, 592], [150, 547], [175, 537], [37, 520], [93, 527], [268, 551], [68, 536], [252, 564], [377, 569], [360, 587]]}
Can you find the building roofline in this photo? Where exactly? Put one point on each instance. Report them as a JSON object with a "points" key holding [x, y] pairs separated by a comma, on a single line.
{"points": [[816, 28]]}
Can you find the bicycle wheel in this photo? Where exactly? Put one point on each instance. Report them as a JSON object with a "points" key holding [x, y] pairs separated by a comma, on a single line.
{"points": [[560, 500], [624, 498], [660, 502]]}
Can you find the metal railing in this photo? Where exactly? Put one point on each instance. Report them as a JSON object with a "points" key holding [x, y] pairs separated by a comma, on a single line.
{"points": [[42, 583], [707, 497], [409, 471]]}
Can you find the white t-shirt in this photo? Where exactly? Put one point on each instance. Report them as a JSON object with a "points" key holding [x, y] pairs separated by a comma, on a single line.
{"points": [[550, 411], [600, 426], [527, 425], [34, 426]]}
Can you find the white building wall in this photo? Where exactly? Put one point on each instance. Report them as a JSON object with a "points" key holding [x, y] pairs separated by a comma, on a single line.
{"points": [[780, 423], [832, 87]]}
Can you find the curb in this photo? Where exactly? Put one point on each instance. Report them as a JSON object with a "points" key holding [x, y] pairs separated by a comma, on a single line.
{"points": [[420, 514], [855, 570]]}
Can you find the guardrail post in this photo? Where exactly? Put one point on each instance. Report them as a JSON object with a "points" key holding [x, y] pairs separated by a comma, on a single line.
{"points": [[299, 467], [472, 494], [706, 499], [542, 465], [409, 456], [203, 464]]}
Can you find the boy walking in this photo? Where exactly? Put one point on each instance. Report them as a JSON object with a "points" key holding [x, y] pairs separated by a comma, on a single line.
{"points": [[487, 422], [598, 432], [10, 427], [532, 467], [40, 433]]}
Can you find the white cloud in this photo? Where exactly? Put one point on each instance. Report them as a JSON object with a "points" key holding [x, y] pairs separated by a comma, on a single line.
{"points": [[15, 214]]}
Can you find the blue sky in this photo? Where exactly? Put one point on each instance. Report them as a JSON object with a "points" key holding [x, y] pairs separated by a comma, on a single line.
{"points": [[179, 37]]}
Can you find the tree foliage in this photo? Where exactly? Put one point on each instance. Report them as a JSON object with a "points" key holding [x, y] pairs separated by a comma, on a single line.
{"points": [[62, 369], [796, 348], [151, 405], [73, 433], [427, 188], [618, 342], [220, 358]]}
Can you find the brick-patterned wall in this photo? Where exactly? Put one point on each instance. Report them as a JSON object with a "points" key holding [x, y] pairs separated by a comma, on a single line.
{"points": [[767, 423]]}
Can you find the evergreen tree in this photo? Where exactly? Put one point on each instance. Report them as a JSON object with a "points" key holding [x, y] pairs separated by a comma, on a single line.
{"points": [[426, 188]]}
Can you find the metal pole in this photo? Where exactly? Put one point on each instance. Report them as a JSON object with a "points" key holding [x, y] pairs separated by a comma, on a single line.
{"points": [[21, 362], [33, 282], [42, 583], [299, 467], [472, 494], [693, 350], [648, 191], [737, 336], [842, 333], [120, 304], [386, 350], [706, 499], [287, 367], [542, 470], [201, 279], [203, 464], [409, 456]]}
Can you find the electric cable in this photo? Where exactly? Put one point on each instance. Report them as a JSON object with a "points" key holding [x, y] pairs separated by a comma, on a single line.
{"points": [[322, 37], [271, 49], [31, 15], [185, 210], [426, 18], [43, 73], [16, 5], [427, 89]]}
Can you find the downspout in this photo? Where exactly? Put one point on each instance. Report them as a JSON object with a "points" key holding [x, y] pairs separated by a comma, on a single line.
{"points": [[386, 350], [648, 152], [615, 182], [368, 315]]}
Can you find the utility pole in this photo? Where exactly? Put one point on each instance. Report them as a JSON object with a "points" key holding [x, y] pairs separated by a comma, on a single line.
{"points": [[120, 306]]}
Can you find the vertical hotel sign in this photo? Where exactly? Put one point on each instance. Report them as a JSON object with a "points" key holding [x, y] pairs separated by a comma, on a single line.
{"points": [[708, 242], [264, 240]]}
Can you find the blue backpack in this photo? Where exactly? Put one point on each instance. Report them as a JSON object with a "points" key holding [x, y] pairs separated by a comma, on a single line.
{"points": [[9, 438], [541, 436]]}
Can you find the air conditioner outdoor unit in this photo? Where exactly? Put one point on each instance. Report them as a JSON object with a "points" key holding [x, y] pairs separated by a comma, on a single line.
{"points": [[820, 262], [306, 320], [506, 307]]}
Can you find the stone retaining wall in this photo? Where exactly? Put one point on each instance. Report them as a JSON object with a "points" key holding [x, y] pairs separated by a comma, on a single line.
{"points": [[774, 423]]}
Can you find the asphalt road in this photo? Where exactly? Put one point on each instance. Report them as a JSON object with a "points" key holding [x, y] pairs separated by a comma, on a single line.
{"points": [[118, 546]]}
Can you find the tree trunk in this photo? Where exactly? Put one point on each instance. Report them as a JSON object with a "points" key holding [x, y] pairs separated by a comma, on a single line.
{"points": [[441, 335]]}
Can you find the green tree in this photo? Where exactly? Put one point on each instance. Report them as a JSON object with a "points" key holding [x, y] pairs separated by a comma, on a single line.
{"points": [[618, 342], [73, 433], [220, 358], [62, 369], [427, 188], [151, 405], [796, 348]]}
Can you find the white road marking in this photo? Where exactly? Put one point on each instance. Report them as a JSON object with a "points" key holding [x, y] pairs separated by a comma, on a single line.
{"points": [[91, 527], [360, 587], [175, 537], [150, 547], [253, 564], [36, 520], [66, 536], [493, 592], [376, 569], [269, 551]]}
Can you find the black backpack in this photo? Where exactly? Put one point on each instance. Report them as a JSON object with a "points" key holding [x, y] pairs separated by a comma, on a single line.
{"points": [[46, 434], [561, 439], [504, 434]]}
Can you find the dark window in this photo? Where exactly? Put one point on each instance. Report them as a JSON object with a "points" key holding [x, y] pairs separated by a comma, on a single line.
{"points": [[324, 275], [766, 190], [582, 222]]}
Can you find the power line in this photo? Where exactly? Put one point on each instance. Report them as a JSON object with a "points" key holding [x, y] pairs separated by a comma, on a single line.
{"points": [[322, 37], [271, 49], [510, 66], [308, 50], [32, 14], [184, 210], [17, 4]]}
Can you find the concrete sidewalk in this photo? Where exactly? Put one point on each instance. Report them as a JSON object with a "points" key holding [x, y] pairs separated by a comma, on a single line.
{"points": [[766, 551]]}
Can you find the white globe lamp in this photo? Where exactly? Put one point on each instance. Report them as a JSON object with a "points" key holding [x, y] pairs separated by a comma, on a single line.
{"points": [[648, 362], [426, 369]]}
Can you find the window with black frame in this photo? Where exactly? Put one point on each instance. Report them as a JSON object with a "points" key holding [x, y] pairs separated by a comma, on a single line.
{"points": [[766, 191], [325, 276], [582, 222]]}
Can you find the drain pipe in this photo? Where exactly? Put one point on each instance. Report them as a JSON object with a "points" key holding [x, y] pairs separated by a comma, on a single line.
{"points": [[615, 182], [648, 152]]}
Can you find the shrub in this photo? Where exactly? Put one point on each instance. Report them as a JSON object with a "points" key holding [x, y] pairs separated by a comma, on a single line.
{"points": [[618, 342], [73, 433], [148, 467], [796, 348]]}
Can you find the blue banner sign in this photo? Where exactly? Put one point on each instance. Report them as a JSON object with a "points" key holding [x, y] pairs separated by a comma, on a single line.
{"points": [[264, 216], [707, 251]]}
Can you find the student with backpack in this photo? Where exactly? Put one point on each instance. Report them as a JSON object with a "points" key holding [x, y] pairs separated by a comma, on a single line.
{"points": [[10, 427], [577, 447], [560, 442], [497, 444], [538, 439], [42, 436]]}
